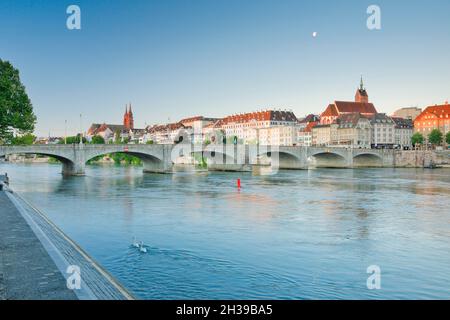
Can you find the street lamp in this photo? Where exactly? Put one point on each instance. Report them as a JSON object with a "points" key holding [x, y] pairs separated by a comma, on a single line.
{"points": [[81, 132], [65, 131]]}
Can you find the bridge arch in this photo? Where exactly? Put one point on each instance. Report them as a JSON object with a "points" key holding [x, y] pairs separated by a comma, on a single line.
{"points": [[68, 164], [152, 160], [281, 159], [156, 158], [325, 159], [367, 160], [216, 156]]}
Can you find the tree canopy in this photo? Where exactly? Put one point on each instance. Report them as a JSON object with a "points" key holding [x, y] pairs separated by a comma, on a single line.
{"points": [[435, 137], [72, 140], [23, 140], [16, 110], [98, 140], [417, 138], [447, 137]]}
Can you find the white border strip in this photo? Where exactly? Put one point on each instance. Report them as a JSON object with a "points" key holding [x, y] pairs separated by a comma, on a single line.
{"points": [[85, 292]]}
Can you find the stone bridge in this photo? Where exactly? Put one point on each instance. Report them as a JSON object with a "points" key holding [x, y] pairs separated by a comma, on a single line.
{"points": [[160, 158], [231, 157], [156, 158]]}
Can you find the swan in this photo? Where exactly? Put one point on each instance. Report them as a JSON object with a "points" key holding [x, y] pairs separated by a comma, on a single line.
{"points": [[142, 248], [135, 243]]}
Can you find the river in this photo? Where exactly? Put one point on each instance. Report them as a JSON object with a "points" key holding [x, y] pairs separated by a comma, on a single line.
{"points": [[295, 235]]}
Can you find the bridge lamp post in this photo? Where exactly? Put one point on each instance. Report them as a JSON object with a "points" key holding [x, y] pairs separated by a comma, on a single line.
{"points": [[81, 131], [65, 131]]}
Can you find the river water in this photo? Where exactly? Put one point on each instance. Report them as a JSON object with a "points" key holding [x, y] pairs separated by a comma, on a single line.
{"points": [[295, 235]]}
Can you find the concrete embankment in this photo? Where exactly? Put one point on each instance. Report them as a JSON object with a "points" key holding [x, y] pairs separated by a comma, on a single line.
{"points": [[39, 262]]}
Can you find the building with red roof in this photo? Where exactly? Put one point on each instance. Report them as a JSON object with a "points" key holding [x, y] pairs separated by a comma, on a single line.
{"points": [[360, 105], [256, 127], [109, 131], [433, 117], [306, 125]]}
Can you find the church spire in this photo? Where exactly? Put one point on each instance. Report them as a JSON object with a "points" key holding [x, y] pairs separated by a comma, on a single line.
{"points": [[128, 120], [361, 93]]}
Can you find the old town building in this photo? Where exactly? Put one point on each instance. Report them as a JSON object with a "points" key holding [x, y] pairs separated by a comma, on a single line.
{"points": [[278, 135], [213, 132], [197, 124], [125, 131], [410, 113], [351, 130], [304, 134], [404, 129], [358, 124], [383, 131], [256, 127], [168, 133], [338, 108], [106, 131], [433, 117], [321, 135]]}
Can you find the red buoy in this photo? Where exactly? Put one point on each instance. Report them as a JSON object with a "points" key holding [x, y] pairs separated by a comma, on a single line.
{"points": [[239, 183]]}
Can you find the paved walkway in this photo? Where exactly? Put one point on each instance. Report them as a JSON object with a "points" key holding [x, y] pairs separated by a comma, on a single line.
{"points": [[35, 254], [26, 269]]}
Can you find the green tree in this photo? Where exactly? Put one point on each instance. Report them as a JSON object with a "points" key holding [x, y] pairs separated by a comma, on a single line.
{"points": [[127, 159], [117, 139], [95, 159], [16, 110], [72, 140], [447, 137], [23, 140], [435, 137], [417, 139], [98, 140]]}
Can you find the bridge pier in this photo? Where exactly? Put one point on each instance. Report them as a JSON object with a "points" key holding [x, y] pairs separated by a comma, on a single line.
{"points": [[73, 169], [77, 163], [296, 159], [157, 166]]}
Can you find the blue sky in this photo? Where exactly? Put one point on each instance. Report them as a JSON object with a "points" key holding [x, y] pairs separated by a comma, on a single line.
{"points": [[173, 59]]}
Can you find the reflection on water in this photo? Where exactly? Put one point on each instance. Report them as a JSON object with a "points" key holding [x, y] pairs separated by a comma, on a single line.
{"points": [[296, 235]]}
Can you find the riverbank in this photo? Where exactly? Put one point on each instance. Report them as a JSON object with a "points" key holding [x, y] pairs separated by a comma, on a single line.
{"points": [[37, 260]]}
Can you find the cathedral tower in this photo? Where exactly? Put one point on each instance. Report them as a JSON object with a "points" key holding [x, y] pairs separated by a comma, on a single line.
{"points": [[128, 120]]}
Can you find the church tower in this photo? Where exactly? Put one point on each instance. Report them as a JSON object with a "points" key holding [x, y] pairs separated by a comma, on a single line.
{"points": [[361, 93], [125, 116], [128, 120]]}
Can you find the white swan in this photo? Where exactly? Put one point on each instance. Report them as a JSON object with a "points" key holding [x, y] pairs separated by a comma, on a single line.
{"points": [[135, 243], [142, 248]]}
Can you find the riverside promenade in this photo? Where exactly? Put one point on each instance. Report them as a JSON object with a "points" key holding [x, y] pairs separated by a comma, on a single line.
{"points": [[37, 259]]}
